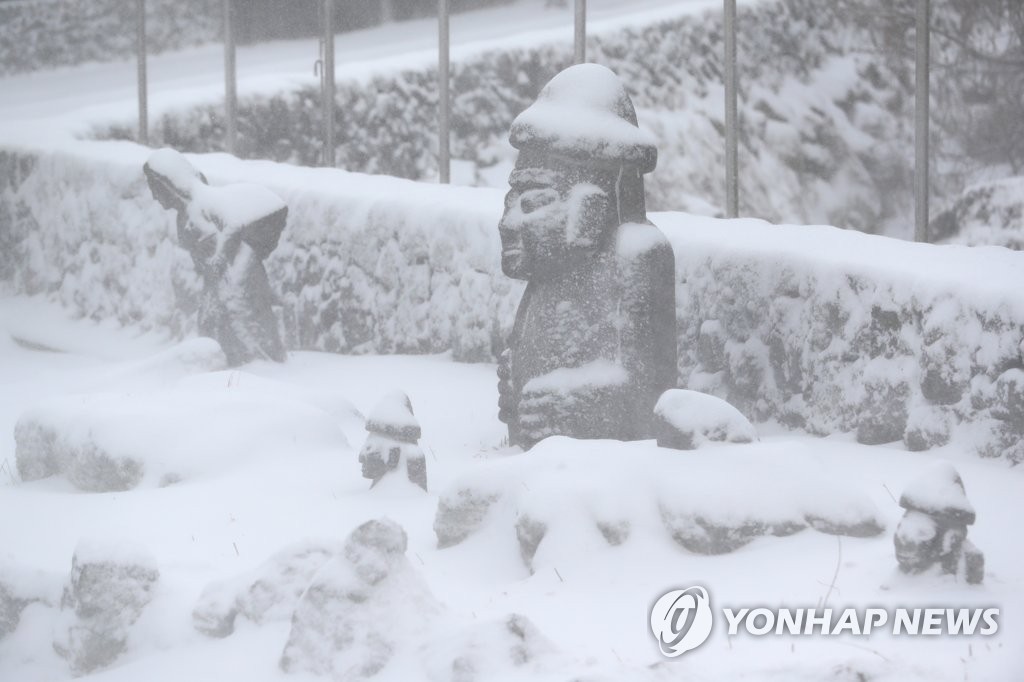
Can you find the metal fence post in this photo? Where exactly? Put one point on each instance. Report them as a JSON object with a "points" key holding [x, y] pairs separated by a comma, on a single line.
{"points": [[140, 51], [328, 92], [580, 35], [230, 78], [732, 196], [921, 106], [444, 99]]}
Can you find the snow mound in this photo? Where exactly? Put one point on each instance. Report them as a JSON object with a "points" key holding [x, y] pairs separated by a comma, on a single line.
{"points": [[19, 587], [200, 425], [686, 420], [268, 593], [564, 500], [367, 611], [110, 585]]}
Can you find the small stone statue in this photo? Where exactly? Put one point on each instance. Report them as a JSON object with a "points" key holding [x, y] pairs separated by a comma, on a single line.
{"points": [[934, 529], [594, 341], [228, 231], [393, 441]]}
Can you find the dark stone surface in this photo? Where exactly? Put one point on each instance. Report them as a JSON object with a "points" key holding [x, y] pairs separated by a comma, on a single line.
{"points": [[460, 514], [236, 306], [594, 340]]}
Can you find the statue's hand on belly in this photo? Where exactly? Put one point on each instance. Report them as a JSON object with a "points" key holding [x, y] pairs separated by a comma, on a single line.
{"points": [[579, 401]]}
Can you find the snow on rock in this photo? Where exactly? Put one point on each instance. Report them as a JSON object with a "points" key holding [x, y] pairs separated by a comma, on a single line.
{"points": [[563, 499], [117, 441], [19, 587], [360, 608], [939, 492], [461, 512], [110, 585], [511, 648], [367, 611], [268, 593], [686, 420]]}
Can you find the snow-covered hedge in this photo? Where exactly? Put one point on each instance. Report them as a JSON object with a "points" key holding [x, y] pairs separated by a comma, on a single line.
{"points": [[366, 264], [820, 328], [986, 213], [825, 136], [36, 34]]}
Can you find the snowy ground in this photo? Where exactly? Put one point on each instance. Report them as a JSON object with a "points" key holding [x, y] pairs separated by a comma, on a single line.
{"points": [[590, 602]]}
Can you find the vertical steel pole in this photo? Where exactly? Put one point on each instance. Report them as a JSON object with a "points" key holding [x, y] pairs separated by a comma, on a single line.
{"points": [[230, 78], [329, 83], [580, 36], [732, 194], [140, 51], [444, 99], [921, 105]]}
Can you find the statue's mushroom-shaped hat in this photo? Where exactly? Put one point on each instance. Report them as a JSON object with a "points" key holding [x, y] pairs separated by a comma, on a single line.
{"points": [[585, 113]]}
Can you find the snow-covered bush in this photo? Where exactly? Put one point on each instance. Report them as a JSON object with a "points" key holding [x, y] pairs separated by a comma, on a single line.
{"points": [[36, 35], [986, 213], [825, 128]]}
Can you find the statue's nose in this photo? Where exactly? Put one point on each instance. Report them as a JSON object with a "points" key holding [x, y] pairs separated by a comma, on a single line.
{"points": [[537, 199]]}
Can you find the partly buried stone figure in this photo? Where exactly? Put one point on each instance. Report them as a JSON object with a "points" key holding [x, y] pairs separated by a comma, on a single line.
{"points": [[933, 532], [228, 231], [594, 341]]}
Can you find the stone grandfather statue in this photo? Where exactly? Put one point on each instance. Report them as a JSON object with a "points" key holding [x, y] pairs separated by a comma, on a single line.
{"points": [[594, 340], [228, 231]]}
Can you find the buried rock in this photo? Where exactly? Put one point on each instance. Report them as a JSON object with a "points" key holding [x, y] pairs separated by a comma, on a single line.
{"points": [[460, 513], [686, 420], [360, 608], [703, 535], [110, 585], [269, 593]]}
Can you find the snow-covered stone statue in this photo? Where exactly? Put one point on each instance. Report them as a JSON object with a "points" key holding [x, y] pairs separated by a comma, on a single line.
{"points": [[228, 231], [594, 341], [933, 531], [393, 442]]}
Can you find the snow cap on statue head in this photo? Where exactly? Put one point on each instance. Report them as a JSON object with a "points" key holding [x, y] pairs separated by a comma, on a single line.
{"points": [[585, 114], [171, 169]]}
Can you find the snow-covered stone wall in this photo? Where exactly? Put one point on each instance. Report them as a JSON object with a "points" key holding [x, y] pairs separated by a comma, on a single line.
{"points": [[37, 34], [819, 328], [826, 127]]}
